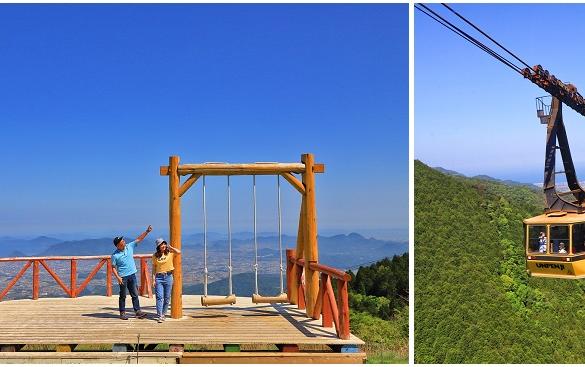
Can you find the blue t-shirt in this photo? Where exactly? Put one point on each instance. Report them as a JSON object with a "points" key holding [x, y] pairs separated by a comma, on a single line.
{"points": [[123, 261]]}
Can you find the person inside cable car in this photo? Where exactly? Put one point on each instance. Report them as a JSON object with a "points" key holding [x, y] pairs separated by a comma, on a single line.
{"points": [[562, 249], [542, 242]]}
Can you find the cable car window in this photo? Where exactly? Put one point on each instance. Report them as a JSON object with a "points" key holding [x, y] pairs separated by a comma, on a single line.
{"points": [[559, 239], [537, 241], [578, 238]]}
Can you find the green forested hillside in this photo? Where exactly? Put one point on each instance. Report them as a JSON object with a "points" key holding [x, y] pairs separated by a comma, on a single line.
{"points": [[378, 298], [474, 302]]}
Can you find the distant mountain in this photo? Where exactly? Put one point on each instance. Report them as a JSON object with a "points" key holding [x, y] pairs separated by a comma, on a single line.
{"points": [[342, 251], [484, 178], [243, 285], [98, 246], [10, 245]]}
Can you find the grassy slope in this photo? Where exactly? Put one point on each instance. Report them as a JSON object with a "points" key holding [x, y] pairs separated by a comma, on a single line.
{"points": [[473, 300]]}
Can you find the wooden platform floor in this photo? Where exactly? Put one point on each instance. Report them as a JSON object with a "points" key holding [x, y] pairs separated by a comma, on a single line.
{"points": [[94, 320]]}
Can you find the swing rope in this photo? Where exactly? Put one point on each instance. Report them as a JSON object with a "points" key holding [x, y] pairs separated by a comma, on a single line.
{"points": [[205, 273], [280, 236], [255, 237], [229, 237]]}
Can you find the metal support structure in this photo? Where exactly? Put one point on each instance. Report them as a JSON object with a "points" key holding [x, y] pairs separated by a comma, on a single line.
{"points": [[556, 201]]}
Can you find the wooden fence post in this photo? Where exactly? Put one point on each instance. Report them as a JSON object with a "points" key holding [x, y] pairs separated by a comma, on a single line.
{"points": [[326, 314], [36, 279], [73, 278], [109, 277], [343, 304], [291, 276]]}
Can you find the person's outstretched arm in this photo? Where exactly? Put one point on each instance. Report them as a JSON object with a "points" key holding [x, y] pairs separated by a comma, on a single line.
{"points": [[144, 234]]}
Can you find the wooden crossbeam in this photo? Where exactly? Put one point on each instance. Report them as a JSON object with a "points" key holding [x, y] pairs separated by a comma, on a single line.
{"points": [[224, 169]]}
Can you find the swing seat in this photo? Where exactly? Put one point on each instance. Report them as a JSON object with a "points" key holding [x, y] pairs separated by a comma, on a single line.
{"points": [[218, 300], [281, 298]]}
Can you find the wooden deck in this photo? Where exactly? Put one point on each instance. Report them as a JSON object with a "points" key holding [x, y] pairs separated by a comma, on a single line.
{"points": [[94, 320]]}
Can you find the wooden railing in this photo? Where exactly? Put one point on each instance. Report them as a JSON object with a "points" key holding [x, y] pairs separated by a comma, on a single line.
{"points": [[72, 290], [330, 308]]}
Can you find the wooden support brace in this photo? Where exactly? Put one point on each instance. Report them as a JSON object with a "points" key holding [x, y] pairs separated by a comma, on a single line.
{"points": [[188, 183], [294, 182], [15, 279], [90, 276], [319, 304], [333, 303], [56, 277], [327, 307]]}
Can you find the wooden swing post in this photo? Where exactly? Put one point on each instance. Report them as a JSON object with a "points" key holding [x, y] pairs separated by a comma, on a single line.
{"points": [[175, 236]]}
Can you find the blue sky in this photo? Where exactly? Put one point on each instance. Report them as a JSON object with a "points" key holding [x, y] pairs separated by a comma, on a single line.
{"points": [[475, 115], [94, 98]]}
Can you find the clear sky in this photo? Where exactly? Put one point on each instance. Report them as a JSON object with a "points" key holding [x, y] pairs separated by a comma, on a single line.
{"points": [[475, 115], [94, 98]]}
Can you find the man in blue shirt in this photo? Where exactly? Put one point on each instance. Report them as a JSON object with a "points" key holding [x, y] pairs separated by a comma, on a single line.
{"points": [[125, 272]]}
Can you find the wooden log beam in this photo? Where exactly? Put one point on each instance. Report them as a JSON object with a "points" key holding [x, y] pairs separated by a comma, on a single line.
{"points": [[188, 183], [311, 253], [334, 273], [56, 277], [294, 182], [15, 279], [175, 237], [224, 169]]}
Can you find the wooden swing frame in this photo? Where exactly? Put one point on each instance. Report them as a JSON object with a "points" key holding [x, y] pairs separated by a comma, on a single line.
{"points": [[307, 246]]}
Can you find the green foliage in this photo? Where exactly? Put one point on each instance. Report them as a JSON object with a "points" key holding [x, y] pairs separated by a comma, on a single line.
{"points": [[385, 339], [474, 302], [381, 288], [379, 313]]}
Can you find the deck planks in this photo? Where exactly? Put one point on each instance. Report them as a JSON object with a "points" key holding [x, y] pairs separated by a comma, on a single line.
{"points": [[94, 320]]}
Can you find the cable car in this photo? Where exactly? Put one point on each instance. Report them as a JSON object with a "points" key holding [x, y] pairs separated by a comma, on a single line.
{"points": [[563, 253], [555, 241]]}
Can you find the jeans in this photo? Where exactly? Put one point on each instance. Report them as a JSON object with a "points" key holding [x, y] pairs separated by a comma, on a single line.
{"points": [[130, 283], [163, 284]]}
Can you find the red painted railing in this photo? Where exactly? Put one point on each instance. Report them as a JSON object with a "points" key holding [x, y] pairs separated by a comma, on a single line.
{"points": [[330, 308], [72, 290]]}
